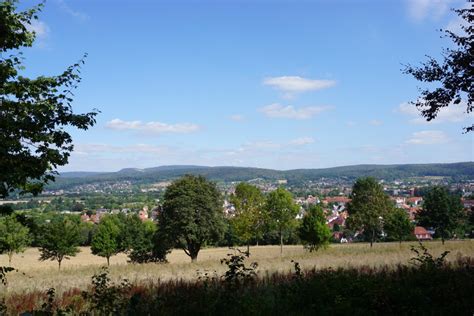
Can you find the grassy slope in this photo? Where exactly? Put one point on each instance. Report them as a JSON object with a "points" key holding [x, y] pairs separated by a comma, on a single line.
{"points": [[78, 270]]}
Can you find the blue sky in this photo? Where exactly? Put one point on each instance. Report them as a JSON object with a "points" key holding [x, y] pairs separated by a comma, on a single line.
{"points": [[274, 84]]}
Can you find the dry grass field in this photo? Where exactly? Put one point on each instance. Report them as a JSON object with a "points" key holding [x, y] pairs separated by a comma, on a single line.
{"points": [[77, 272]]}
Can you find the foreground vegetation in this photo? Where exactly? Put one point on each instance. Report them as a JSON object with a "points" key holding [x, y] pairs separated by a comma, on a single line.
{"points": [[429, 287], [39, 276]]}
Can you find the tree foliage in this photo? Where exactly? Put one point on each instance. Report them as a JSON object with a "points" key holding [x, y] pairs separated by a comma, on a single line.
{"points": [[59, 240], [455, 74], [368, 207], [250, 213], [397, 225], [146, 244], [282, 210], [14, 237], [34, 112], [107, 239], [442, 211], [192, 214], [314, 232]]}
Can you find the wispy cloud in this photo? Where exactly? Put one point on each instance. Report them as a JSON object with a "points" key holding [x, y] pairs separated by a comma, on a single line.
{"points": [[88, 149], [237, 117], [376, 122], [427, 138], [302, 141], [41, 30], [263, 153], [72, 12], [277, 110], [295, 84], [419, 10], [152, 127], [454, 113]]}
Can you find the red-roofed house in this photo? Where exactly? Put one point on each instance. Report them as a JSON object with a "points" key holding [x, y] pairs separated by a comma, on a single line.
{"points": [[422, 234], [336, 199], [416, 200], [412, 211]]}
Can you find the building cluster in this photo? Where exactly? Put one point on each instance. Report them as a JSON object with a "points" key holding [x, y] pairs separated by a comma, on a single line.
{"points": [[94, 217]]}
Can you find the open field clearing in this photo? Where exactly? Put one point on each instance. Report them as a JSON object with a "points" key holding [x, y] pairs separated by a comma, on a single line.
{"points": [[77, 272]]}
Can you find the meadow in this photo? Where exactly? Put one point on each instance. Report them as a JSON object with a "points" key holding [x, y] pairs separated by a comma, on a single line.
{"points": [[35, 275]]}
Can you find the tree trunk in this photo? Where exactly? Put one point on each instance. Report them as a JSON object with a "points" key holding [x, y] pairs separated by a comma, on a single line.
{"points": [[108, 261], [281, 242], [372, 239], [194, 257], [248, 248], [10, 255], [442, 240], [59, 264]]}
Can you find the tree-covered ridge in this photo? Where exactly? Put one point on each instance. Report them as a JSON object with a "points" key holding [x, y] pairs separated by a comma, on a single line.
{"points": [[456, 171]]}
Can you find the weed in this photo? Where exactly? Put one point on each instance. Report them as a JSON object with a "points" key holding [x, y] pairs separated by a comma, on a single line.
{"points": [[236, 267], [425, 260], [107, 298]]}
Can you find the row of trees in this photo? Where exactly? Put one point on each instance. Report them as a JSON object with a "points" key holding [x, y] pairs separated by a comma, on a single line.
{"points": [[61, 237], [372, 213], [192, 217]]}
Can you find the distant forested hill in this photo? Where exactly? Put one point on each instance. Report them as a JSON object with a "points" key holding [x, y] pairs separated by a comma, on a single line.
{"points": [[456, 171]]}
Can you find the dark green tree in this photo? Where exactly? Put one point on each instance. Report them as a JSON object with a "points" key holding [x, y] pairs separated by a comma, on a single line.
{"points": [[442, 211], [35, 113], [106, 240], [59, 240], [192, 214], [14, 237], [250, 214], [368, 207], [455, 74], [142, 241], [397, 225], [6, 210], [282, 210], [313, 231]]}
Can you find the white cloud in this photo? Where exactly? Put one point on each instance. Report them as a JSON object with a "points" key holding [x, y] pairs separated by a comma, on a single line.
{"points": [[277, 110], [294, 84], [454, 113], [427, 138], [302, 141], [237, 117], [433, 9], [152, 127], [40, 28], [375, 122]]}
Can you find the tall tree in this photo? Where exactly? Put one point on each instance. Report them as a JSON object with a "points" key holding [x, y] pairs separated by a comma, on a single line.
{"points": [[368, 207], [59, 240], [142, 241], [250, 214], [455, 74], [314, 232], [282, 210], [34, 113], [106, 241], [14, 237], [442, 211], [192, 214], [397, 225]]}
